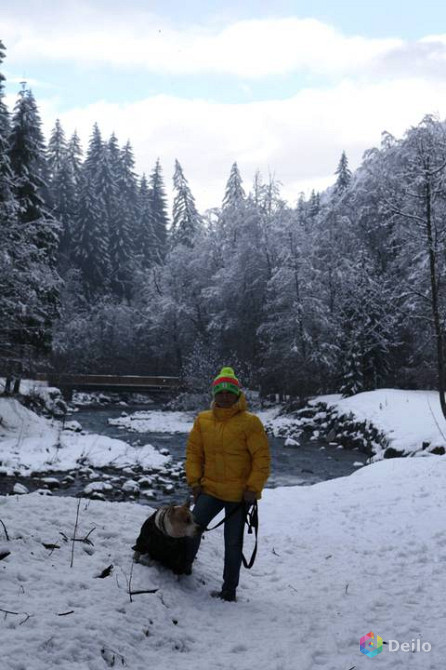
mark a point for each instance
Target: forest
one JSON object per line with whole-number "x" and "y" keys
{"x": 340, "y": 291}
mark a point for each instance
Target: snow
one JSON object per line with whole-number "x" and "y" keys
{"x": 408, "y": 418}
{"x": 336, "y": 560}
{"x": 33, "y": 443}
{"x": 155, "y": 421}
{"x": 147, "y": 421}
{"x": 37, "y": 389}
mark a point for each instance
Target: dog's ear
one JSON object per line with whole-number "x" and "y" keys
{"x": 186, "y": 504}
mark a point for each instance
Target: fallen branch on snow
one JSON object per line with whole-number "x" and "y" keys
{"x": 6, "y": 532}
{"x": 27, "y": 616}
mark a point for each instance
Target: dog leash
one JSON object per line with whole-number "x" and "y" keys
{"x": 228, "y": 516}
{"x": 252, "y": 521}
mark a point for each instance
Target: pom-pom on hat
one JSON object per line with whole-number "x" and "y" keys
{"x": 226, "y": 381}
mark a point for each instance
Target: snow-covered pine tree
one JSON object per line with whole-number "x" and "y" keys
{"x": 9, "y": 278}
{"x": 64, "y": 191}
{"x": 233, "y": 208}
{"x": 75, "y": 155}
{"x": 352, "y": 378}
{"x": 27, "y": 155}
{"x": 146, "y": 242}
{"x": 90, "y": 239}
{"x": 186, "y": 221}
{"x": 158, "y": 201}
{"x": 122, "y": 215}
{"x": 8, "y": 205}
{"x": 314, "y": 205}
{"x": 37, "y": 233}
{"x": 57, "y": 150}
{"x": 344, "y": 174}
{"x": 234, "y": 192}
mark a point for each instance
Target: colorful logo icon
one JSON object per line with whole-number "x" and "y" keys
{"x": 369, "y": 646}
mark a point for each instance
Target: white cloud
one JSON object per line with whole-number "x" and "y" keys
{"x": 299, "y": 140}
{"x": 375, "y": 85}
{"x": 248, "y": 49}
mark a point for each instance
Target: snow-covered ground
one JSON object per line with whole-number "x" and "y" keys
{"x": 336, "y": 561}
{"x": 32, "y": 443}
{"x": 155, "y": 421}
{"x": 37, "y": 389}
{"x": 408, "y": 418}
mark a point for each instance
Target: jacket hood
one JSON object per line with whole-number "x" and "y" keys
{"x": 223, "y": 413}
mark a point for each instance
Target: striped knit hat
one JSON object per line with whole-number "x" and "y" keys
{"x": 226, "y": 381}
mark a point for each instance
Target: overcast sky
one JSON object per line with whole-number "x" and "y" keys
{"x": 280, "y": 86}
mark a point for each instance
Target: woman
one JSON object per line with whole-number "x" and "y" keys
{"x": 227, "y": 463}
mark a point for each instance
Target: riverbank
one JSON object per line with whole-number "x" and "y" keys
{"x": 97, "y": 455}
{"x": 385, "y": 423}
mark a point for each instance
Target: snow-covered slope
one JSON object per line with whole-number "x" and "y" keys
{"x": 336, "y": 560}
{"x": 408, "y": 418}
{"x": 32, "y": 443}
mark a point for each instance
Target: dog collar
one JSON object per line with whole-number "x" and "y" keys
{"x": 159, "y": 520}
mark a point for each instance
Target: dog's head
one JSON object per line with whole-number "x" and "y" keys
{"x": 179, "y": 521}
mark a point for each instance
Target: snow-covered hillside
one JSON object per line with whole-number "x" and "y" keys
{"x": 407, "y": 418}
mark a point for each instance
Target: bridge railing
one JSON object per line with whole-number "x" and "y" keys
{"x": 117, "y": 381}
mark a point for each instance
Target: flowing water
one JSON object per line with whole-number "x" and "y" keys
{"x": 307, "y": 464}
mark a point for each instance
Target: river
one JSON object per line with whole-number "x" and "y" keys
{"x": 310, "y": 463}
{"x": 303, "y": 465}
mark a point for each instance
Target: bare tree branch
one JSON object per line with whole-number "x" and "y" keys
{"x": 6, "y": 532}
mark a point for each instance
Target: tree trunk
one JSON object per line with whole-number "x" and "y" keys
{"x": 434, "y": 299}
{"x": 8, "y": 383}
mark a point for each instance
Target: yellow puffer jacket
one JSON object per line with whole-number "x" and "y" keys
{"x": 228, "y": 453}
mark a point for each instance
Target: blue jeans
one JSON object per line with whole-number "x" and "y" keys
{"x": 206, "y": 508}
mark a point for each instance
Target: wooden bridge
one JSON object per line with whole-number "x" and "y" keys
{"x": 112, "y": 383}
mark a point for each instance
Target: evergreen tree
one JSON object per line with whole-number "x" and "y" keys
{"x": 122, "y": 218}
{"x": 352, "y": 379}
{"x": 129, "y": 182}
{"x": 314, "y": 205}
{"x": 234, "y": 192}
{"x": 235, "y": 202}
{"x": 8, "y": 205}
{"x": 57, "y": 150}
{"x": 9, "y": 277}
{"x": 90, "y": 239}
{"x": 94, "y": 155}
{"x": 186, "y": 222}
{"x": 63, "y": 189}
{"x": 36, "y": 233}
{"x": 344, "y": 174}
{"x": 158, "y": 203}
{"x": 27, "y": 155}
{"x": 146, "y": 242}
{"x": 74, "y": 155}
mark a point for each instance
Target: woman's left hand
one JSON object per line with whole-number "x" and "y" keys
{"x": 249, "y": 498}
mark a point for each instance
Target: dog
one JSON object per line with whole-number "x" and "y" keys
{"x": 163, "y": 537}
